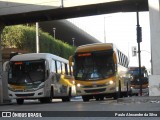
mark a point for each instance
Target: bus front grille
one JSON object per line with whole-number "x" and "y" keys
{"x": 95, "y": 90}
{"x": 93, "y": 86}
{"x": 25, "y": 95}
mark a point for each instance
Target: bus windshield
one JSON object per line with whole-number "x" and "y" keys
{"x": 26, "y": 72}
{"x": 134, "y": 73}
{"x": 94, "y": 66}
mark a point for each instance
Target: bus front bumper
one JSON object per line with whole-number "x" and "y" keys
{"x": 26, "y": 95}
{"x": 137, "y": 91}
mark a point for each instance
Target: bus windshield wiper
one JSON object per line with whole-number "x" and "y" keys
{"x": 85, "y": 74}
{"x": 30, "y": 77}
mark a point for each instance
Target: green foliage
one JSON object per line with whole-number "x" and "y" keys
{"x": 24, "y": 38}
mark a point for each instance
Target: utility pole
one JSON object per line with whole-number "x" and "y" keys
{"x": 62, "y": 4}
{"x": 139, "y": 39}
{"x": 104, "y": 29}
{"x": 37, "y": 38}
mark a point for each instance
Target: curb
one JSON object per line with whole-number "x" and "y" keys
{"x": 140, "y": 99}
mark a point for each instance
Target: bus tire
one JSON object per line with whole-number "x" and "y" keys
{"x": 70, "y": 92}
{"x": 85, "y": 98}
{"x": 119, "y": 90}
{"x": 20, "y": 101}
{"x": 52, "y": 93}
{"x": 101, "y": 98}
{"x": 129, "y": 91}
{"x": 65, "y": 99}
{"x": 42, "y": 100}
{"x": 115, "y": 96}
{"x": 68, "y": 98}
{"x": 97, "y": 98}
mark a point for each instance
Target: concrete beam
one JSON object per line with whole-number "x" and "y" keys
{"x": 72, "y": 12}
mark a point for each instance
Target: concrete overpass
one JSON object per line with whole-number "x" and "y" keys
{"x": 46, "y": 10}
{"x": 17, "y": 12}
{"x": 66, "y": 31}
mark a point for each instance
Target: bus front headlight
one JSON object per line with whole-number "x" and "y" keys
{"x": 78, "y": 85}
{"x": 111, "y": 82}
{"x": 73, "y": 82}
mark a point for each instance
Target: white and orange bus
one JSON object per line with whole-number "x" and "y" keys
{"x": 100, "y": 71}
{"x": 40, "y": 76}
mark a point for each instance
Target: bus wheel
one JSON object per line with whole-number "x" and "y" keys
{"x": 101, "y": 97}
{"x": 119, "y": 90}
{"x": 66, "y": 99}
{"x": 51, "y": 94}
{"x": 42, "y": 100}
{"x": 97, "y": 98}
{"x": 85, "y": 98}
{"x": 115, "y": 96}
{"x": 20, "y": 101}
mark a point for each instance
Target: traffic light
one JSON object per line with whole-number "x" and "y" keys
{"x": 134, "y": 51}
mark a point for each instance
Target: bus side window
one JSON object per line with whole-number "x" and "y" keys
{"x": 53, "y": 66}
{"x": 66, "y": 69}
{"x": 63, "y": 68}
{"x": 70, "y": 70}
{"x": 56, "y": 66}
{"x": 59, "y": 67}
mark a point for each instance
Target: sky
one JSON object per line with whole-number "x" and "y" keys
{"x": 120, "y": 29}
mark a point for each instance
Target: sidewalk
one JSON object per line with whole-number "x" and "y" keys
{"x": 6, "y": 102}
{"x": 140, "y": 99}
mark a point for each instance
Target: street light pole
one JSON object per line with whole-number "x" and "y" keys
{"x": 54, "y": 33}
{"x": 104, "y": 29}
{"x": 139, "y": 39}
{"x": 37, "y": 38}
{"x": 62, "y": 4}
{"x": 73, "y": 40}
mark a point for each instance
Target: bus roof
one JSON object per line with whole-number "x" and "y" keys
{"x": 37, "y": 56}
{"x": 95, "y": 46}
{"x": 135, "y": 68}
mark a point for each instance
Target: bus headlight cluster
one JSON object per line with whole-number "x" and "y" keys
{"x": 10, "y": 88}
{"x": 73, "y": 82}
{"x": 78, "y": 85}
{"x": 111, "y": 82}
{"x": 41, "y": 86}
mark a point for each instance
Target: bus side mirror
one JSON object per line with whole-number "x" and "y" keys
{"x": 114, "y": 57}
{"x": 70, "y": 60}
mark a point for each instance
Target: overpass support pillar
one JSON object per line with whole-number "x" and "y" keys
{"x": 154, "y": 79}
{"x": 1, "y": 66}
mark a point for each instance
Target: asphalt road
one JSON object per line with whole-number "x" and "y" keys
{"x": 92, "y": 110}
